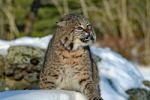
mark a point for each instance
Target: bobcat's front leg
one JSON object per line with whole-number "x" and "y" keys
{"x": 91, "y": 92}
{"x": 88, "y": 86}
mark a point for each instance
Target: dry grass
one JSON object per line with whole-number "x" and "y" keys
{"x": 123, "y": 25}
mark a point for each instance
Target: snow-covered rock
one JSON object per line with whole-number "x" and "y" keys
{"x": 29, "y": 41}
{"x": 117, "y": 75}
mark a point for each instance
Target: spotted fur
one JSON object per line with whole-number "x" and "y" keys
{"x": 68, "y": 63}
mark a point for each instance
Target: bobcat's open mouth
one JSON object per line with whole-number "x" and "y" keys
{"x": 84, "y": 40}
{"x": 87, "y": 39}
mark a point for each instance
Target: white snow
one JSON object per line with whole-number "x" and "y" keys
{"x": 41, "y": 95}
{"x": 117, "y": 75}
{"x": 37, "y": 42}
{"x": 145, "y": 70}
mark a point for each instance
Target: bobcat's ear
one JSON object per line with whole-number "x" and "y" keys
{"x": 62, "y": 23}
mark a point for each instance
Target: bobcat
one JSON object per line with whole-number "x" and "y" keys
{"x": 68, "y": 63}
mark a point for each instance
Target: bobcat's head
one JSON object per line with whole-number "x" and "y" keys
{"x": 80, "y": 32}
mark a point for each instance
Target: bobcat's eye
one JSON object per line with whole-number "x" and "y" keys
{"x": 80, "y": 28}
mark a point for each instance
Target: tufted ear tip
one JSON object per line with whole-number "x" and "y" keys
{"x": 62, "y": 23}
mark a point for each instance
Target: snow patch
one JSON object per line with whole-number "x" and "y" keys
{"x": 41, "y": 95}
{"x": 145, "y": 70}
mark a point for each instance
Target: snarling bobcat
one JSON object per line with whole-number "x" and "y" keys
{"x": 68, "y": 63}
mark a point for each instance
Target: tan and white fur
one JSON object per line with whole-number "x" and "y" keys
{"x": 68, "y": 63}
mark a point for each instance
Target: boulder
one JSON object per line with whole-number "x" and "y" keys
{"x": 2, "y": 66}
{"x": 146, "y": 83}
{"x": 138, "y": 94}
{"x": 22, "y": 66}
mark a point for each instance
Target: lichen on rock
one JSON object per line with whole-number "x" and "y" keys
{"x": 22, "y": 66}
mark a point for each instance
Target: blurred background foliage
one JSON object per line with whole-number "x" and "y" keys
{"x": 123, "y": 25}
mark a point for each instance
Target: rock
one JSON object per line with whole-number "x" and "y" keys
{"x": 146, "y": 83}
{"x": 14, "y": 85}
{"x": 2, "y": 70}
{"x": 2, "y": 66}
{"x": 32, "y": 77}
{"x": 23, "y": 65}
{"x": 96, "y": 58}
{"x": 138, "y": 94}
{"x": 20, "y": 56}
{"x": 2, "y": 84}
{"x": 17, "y": 75}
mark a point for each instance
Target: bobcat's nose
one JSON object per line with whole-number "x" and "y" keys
{"x": 87, "y": 36}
